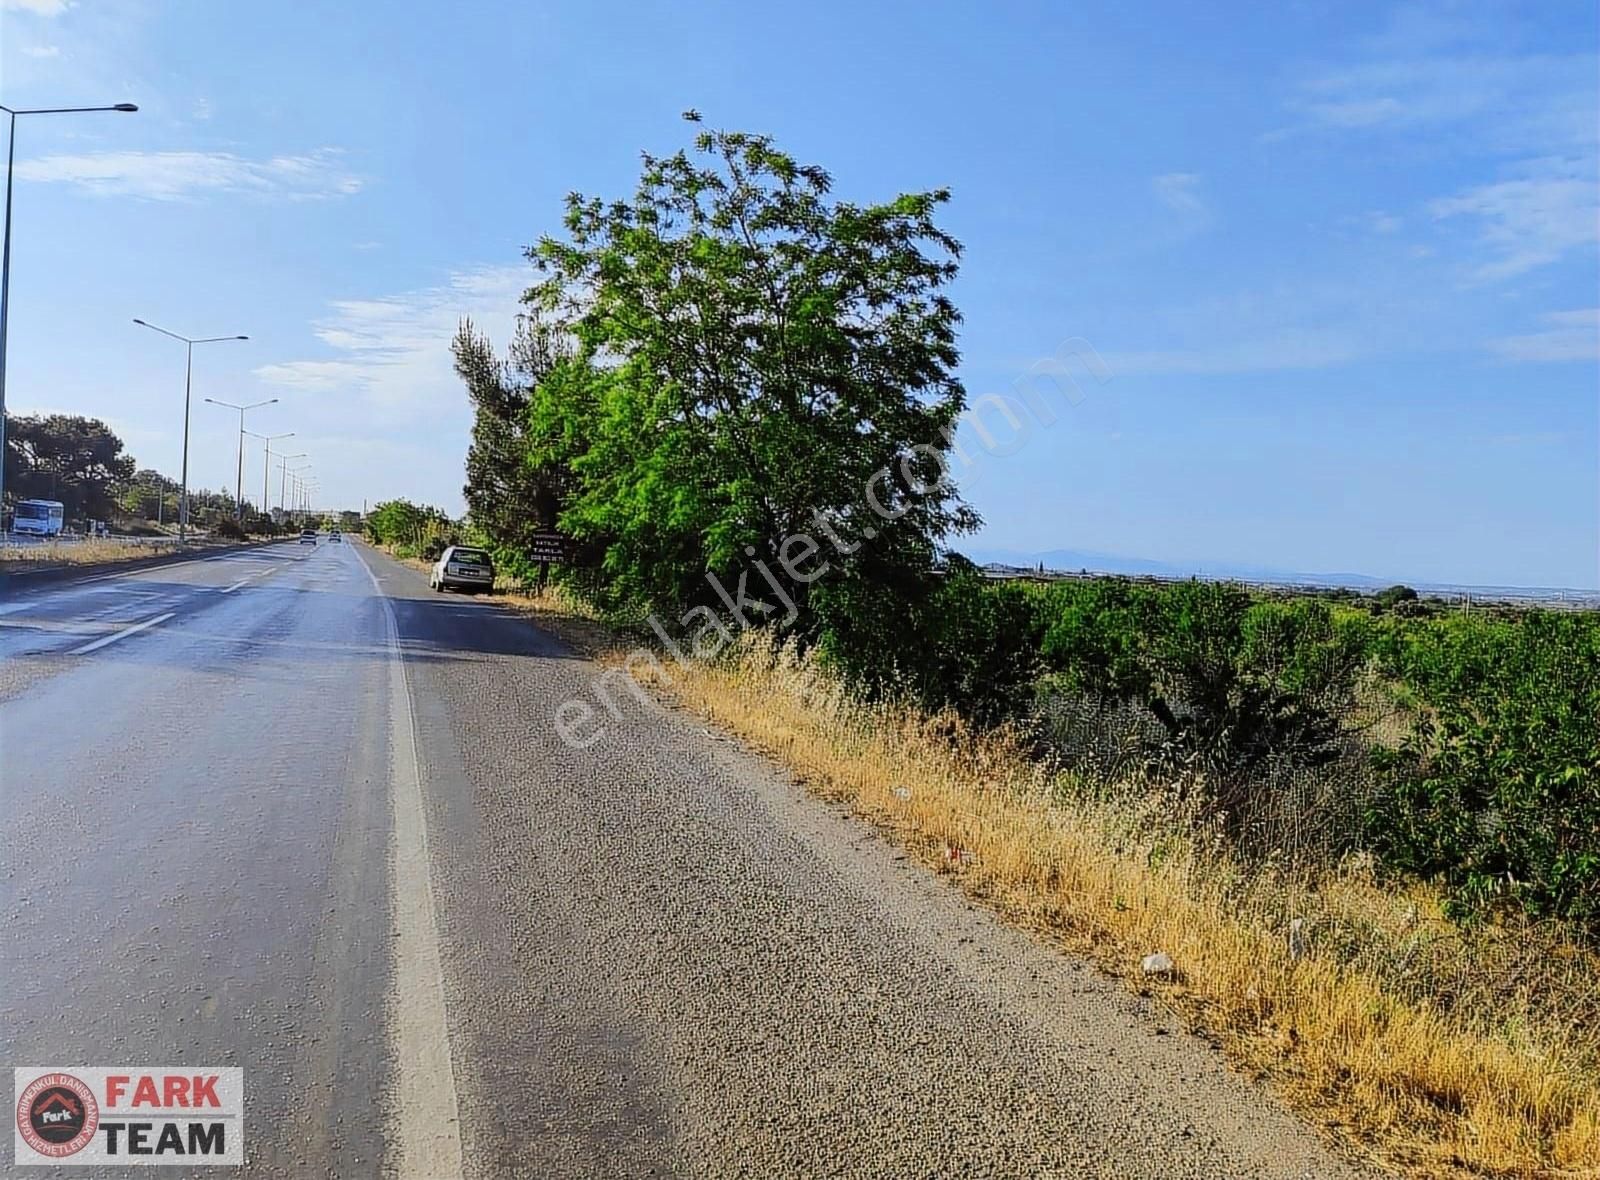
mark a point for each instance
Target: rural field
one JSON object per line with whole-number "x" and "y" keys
{"x": 835, "y": 590}
{"x": 1352, "y": 837}
{"x": 1368, "y": 867}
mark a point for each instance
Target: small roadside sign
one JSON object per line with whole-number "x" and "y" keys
{"x": 545, "y": 547}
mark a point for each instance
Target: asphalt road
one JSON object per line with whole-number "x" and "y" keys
{"x": 286, "y": 809}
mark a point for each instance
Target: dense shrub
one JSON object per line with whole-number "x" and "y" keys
{"x": 1497, "y": 791}
{"x": 418, "y": 530}
{"x": 979, "y": 647}
{"x": 1231, "y": 680}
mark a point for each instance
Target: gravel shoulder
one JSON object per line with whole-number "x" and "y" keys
{"x": 663, "y": 957}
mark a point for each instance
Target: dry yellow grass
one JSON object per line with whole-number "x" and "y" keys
{"x": 90, "y": 551}
{"x": 1434, "y": 1051}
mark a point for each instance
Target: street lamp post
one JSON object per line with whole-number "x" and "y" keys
{"x": 266, "y": 464}
{"x": 283, "y": 479}
{"x": 188, "y": 375}
{"x": 238, "y": 512}
{"x": 5, "y": 252}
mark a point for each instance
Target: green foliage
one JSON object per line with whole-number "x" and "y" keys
{"x": 229, "y": 530}
{"x": 732, "y": 359}
{"x": 508, "y": 497}
{"x": 750, "y": 353}
{"x": 1393, "y": 595}
{"x": 1093, "y": 639}
{"x": 982, "y": 643}
{"x": 149, "y": 495}
{"x": 1497, "y": 792}
{"x": 411, "y": 529}
{"x": 78, "y": 461}
{"x": 960, "y": 641}
{"x": 1231, "y": 680}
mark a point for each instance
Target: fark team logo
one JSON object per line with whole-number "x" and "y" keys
{"x": 142, "y": 1117}
{"x": 57, "y": 1115}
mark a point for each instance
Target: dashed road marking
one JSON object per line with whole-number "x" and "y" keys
{"x": 122, "y": 634}
{"x": 240, "y": 582}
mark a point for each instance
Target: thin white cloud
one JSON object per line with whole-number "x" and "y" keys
{"x": 1364, "y": 112}
{"x": 393, "y": 351}
{"x": 37, "y": 7}
{"x": 1570, "y": 336}
{"x": 1530, "y": 220}
{"x": 1285, "y": 351}
{"x": 1529, "y": 118}
{"x": 173, "y": 176}
{"x": 1507, "y": 103}
{"x": 41, "y": 51}
{"x": 1180, "y": 191}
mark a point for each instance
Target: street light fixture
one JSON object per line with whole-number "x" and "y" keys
{"x": 5, "y": 265}
{"x": 299, "y": 484}
{"x": 266, "y": 463}
{"x": 238, "y": 513}
{"x": 283, "y": 479}
{"x": 188, "y": 375}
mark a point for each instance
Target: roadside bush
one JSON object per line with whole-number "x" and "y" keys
{"x": 1239, "y": 702}
{"x": 433, "y": 547}
{"x": 1497, "y": 791}
{"x": 229, "y": 530}
{"x": 980, "y": 647}
{"x": 1230, "y": 680}
{"x": 419, "y": 531}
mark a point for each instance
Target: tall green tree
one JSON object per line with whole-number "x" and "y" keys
{"x": 509, "y": 496}
{"x": 149, "y": 494}
{"x": 753, "y": 356}
{"x": 78, "y": 461}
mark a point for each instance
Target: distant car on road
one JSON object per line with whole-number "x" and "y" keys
{"x": 308, "y": 537}
{"x": 334, "y": 536}
{"x": 462, "y": 568}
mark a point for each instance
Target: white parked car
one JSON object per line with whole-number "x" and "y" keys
{"x": 463, "y": 568}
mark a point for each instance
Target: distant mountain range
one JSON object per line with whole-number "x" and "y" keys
{"x": 1075, "y": 560}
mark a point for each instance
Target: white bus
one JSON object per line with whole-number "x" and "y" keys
{"x": 42, "y": 518}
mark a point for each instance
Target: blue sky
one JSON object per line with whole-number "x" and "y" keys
{"x": 1340, "y": 259}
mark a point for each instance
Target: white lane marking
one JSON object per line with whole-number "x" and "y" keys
{"x": 425, "y": 1128}
{"x": 241, "y": 582}
{"x": 122, "y": 634}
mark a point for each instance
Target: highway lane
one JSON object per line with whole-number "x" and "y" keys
{"x": 316, "y": 822}
{"x": 63, "y": 616}
{"x": 193, "y": 864}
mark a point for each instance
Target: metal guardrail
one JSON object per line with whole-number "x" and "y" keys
{"x": 25, "y": 540}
